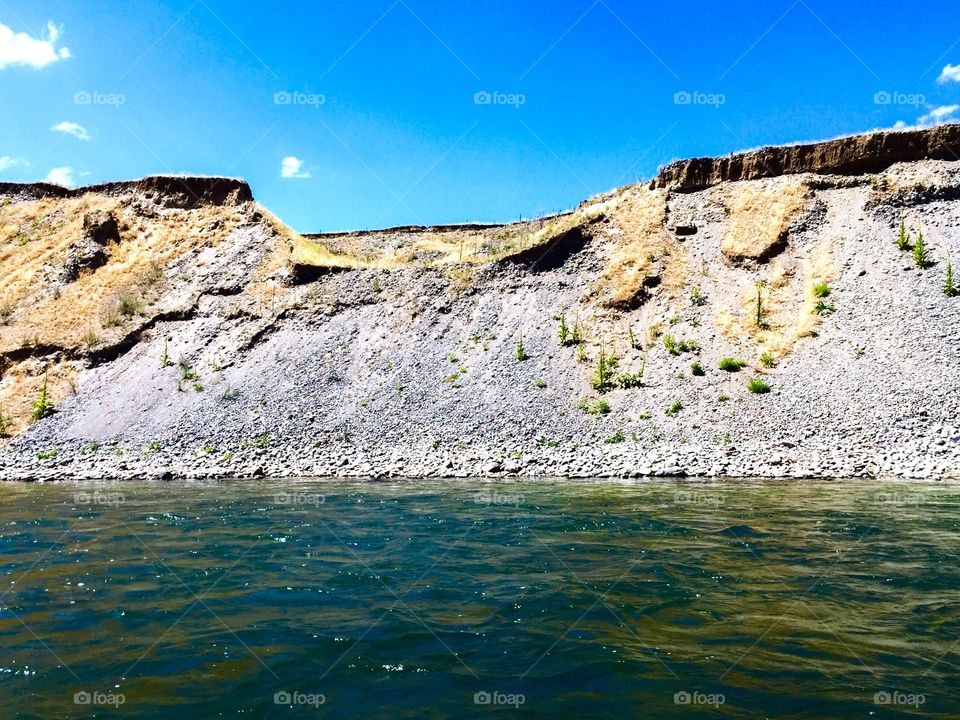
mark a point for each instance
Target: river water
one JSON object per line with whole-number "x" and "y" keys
{"x": 460, "y": 599}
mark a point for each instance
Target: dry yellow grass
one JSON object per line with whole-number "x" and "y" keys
{"x": 65, "y": 317}
{"x": 789, "y": 304}
{"x": 645, "y": 249}
{"x": 21, "y": 384}
{"x": 35, "y": 240}
{"x": 760, "y": 213}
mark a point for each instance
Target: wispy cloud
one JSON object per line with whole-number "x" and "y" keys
{"x": 292, "y": 167}
{"x": 61, "y": 176}
{"x": 21, "y": 49}
{"x": 72, "y": 128}
{"x": 937, "y": 115}
{"x": 951, "y": 73}
{"x": 7, "y": 162}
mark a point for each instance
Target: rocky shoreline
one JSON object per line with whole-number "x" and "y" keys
{"x": 767, "y": 327}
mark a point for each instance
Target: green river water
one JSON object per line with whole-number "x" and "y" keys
{"x": 461, "y": 599}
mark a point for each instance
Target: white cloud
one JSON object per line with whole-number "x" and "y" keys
{"x": 291, "y": 168}
{"x": 21, "y": 49}
{"x": 938, "y": 115}
{"x": 72, "y": 128}
{"x": 61, "y": 176}
{"x": 950, "y": 72}
{"x": 7, "y": 162}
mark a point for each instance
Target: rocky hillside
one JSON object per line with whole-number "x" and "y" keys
{"x": 748, "y": 315}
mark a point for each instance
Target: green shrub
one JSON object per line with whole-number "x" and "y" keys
{"x": 824, "y": 308}
{"x": 697, "y": 297}
{"x": 697, "y": 369}
{"x": 678, "y": 347}
{"x": 603, "y": 376}
{"x": 949, "y": 289}
{"x": 628, "y": 381}
{"x": 540, "y": 382}
{"x": 617, "y": 437}
{"x": 767, "y": 360}
{"x": 563, "y": 332}
{"x": 731, "y": 364}
{"x": 674, "y": 408}
{"x": 821, "y": 290}
{"x": 46, "y": 454}
{"x": 920, "y": 255}
{"x": 42, "y": 407}
{"x": 521, "y": 351}
{"x": 758, "y": 386}
{"x": 903, "y": 239}
{"x": 152, "y": 447}
{"x": 600, "y": 407}
{"x": 723, "y": 397}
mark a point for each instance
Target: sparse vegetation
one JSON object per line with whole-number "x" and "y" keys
{"x": 128, "y": 305}
{"x": 540, "y": 382}
{"x": 697, "y": 297}
{"x": 903, "y": 239}
{"x": 165, "y": 356}
{"x": 603, "y": 376}
{"x": 46, "y": 454}
{"x": 6, "y": 310}
{"x": 617, "y": 437}
{"x": 678, "y": 347}
{"x": 628, "y": 381}
{"x": 920, "y": 255}
{"x": 824, "y": 308}
{"x": 760, "y": 312}
{"x": 600, "y": 407}
{"x": 949, "y": 288}
{"x": 758, "y": 386}
{"x": 152, "y": 447}
{"x": 521, "y": 351}
{"x": 723, "y": 397}
{"x": 154, "y": 273}
{"x": 731, "y": 364}
{"x": 821, "y": 290}
{"x": 563, "y": 332}
{"x": 42, "y": 407}
{"x": 674, "y": 408}
{"x": 697, "y": 369}
{"x": 767, "y": 360}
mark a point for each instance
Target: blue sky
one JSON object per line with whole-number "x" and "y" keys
{"x": 386, "y": 112}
